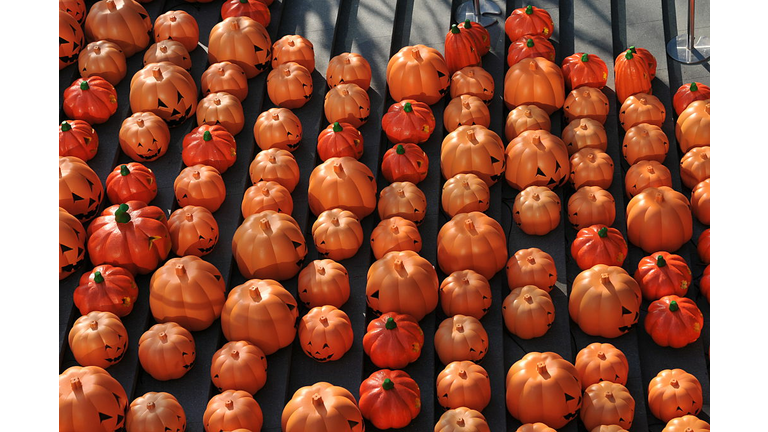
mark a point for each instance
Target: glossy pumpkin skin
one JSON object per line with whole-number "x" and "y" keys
{"x": 325, "y": 333}
{"x": 75, "y": 8}
{"x": 694, "y": 166}
{"x": 349, "y": 68}
{"x": 410, "y": 286}
{"x": 591, "y": 205}
{"x": 599, "y": 244}
{"x": 231, "y": 40}
{"x": 472, "y": 241}
{"x": 687, "y": 93}
{"x": 177, "y": 25}
{"x": 704, "y": 283}
{"x": 645, "y": 142}
{"x": 460, "y": 49}
{"x": 461, "y": 337}
{"x": 536, "y": 210}
{"x": 702, "y": 246}
{"x": 347, "y": 103}
{"x": 144, "y": 137}
{"x": 673, "y": 393}
{"x": 586, "y": 102}
{"x": 390, "y": 399}
{"x": 80, "y": 189}
{"x": 646, "y": 174}
{"x": 102, "y": 58}
{"x": 337, "y": 234}
{"x": 479, "y": 34}
{"x": 275, "y": 164}
{"x": 403, "y": 199}
{"x": 239, "y": 365}
{"x": 674, "y": 321}
{"x": 155, "y": 410}
{"x": 473, "y": 80}
{"x": 632, "y": 75}
{"x": 524, "y": 118}
{"x": 584, "y": 70}
{"x": 322, "y": 406}
{"x": 395, "y": 234}
{"x": 554, "y": 378}
{"x": 225, "y": 77}
{"x": 170, "y": 51}
{"x": 167, "y": 351}
{"x": 293, "y": 48}
{"x": 91, "y": 99}
{"x": 156, "y": 88}
{"x": 194, "y": 231}
{"x": 528, "y": 20}
{"x": 405, "y": 162}
{"x": 641, "y": 108}
{"x": 200, "y": 185}
{"x": 661, "y": 273}
{"x": 528, "y": 312}
{"x": 584, "y": 133}
{"x": 86, "y": 395}
{"x": 342, "y": 177}
{"x": 534, "y": 81}
{"x": 605, "y": 301}
{"x": 591, "y": 167}
{"x": 254, "y": 9}
{"x": 232, "y": 409}
{"x": 221, "y": 108}
{"x": 463, "y": 384}
{"x": 71, "y": 244}
{"x": 266, "y": 195}
{"x": 277, "y": 128}
{"x": 464, "y": 193}
{"x": 77, "y": 138}
{"x": 393, "y": 340}
{"x": 131, "y": 182}
{"x": 465, "y": 292}
{"x": 644, "y": 55}
{"x": 601, "y": 362}
{"x": 123, "y": 22}
{"x": 530, "y": 46}
{"x": 462, "y": 419}
{"x": 465, "y": 110}
{"x": 211, "y": 145}
{"x": 700, "y": 201}
{"x": 659, "y": 219}
{"x": 289, "y": 85}
{"x": 535, "y": 427}
{"x": 607, "y": 402}
{"x": 106, "y": 288}
{"x": 536, "y": 158}
{"x": 609, "y": 428}
{"x": 339, "y": 140}
{"x": 98, "y": 339}
{"x": 686, "y": 423}
{"x": 531, "y": 266}
{"x": 430, "y": 81}
{"x": 269, "y": 245}
{"x": 473, "y": 149}
{"x": 323, "y": 282}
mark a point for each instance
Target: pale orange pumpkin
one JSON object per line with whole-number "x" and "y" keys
{"x": 402, "y": 282}
{"x": 347, "y": 103}
{"x": 325, "y": 333}
{"x": 98, "y": 339}
{"x": 350, "y": 68}
{"x": 418, "y": 72}
{"x": 225, "y": 77}
{"x": 605, "y": 301}
{"x": 179, "y": 26}
{"x": 535, "y": 81}
{"x": 170, "y": 51}
{"x": 531, "y": 266}
{"x": 607, "y": 402}
{"x": 461, "y": 337}
{"x": 601, "y": 362}
{"x": 473, "y": 149}
{"x": 403, "y": 199}
{"x": 528, "y": 312}
{"x": 463, "y": 384}
{"x": 342, "y": 183}
{"x": 275, "y": 164}
{"x": 223, "y": 109}
{"x": 659, "y": 219}
{"x": 584, "y": 133}
{"x": 289, "y": 85}
{"x": 167, "y": 351}
{"x": 395, "y": 234}
{"x": 694, "y": 166}
{"x": 144, "y": 137}
{"x": 242, "y": 41}
{"x": 465, "y": 292}
{"x": 337, "y": 234}
{"x": 164, "y": 89}
{"x": 536, "y": 158}
{"x": 700, "y": 201}
{"x": 323, "y": 282}
{"x": 586, "y": 102}
{"x": 464, "y": 193}
{"x": 155, "y": 410}
{"x": 269, "y": 245}
{"x": 642, "y": 108}
{"x": 462, "y": 419}
{"x": 194, "y": 231}
{"x": 200, "y": 185}
{"x": 524, "y": 118}
{"x": 277, "y": 128}
{"x": 692, "y": 127}
{"x": 124, "y": 22}
{"x": 231, "y": 410}
{"x": 472, "y": 80}
{"x": 645, "y": 142}
{"x": 591, "y": 167}
{"x": 591, "y": 205}
{"x": 645, "y": 174}
{"x": 472, "y": 241}
{"x": 102, "y": 58}
{"x": 465, "y": 110}
{"x": 266, "y": 195}
{"x": 536, "y": 210}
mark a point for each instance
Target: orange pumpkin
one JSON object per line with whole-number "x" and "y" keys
{"x": 686, "y": 423}
{"x": 418, "y": 72}
{"x": 167, "y": 351}
{"x": 700, "y": 201}
{"x": 661, "y": 274}
{"x": 177, "y": 25}
{"x": 702, "y": 246}
{"x": 123, "y": 22}
{"x": 466, "y": 110}
{"x": 531, "y": 266}
{"x": 688, "y": 93}
{"x": 646, "y": 174}
{"x": 275, "y": 164}
{"x": 473, "y": 80}
{"x": 599, "y": 244}
{"x": 211, "y": 145}
{"x": 530, "y": 46}
{"x": 591, "y": 167}
{"x": 200, "y": 185}
{"x": 342, "y": 183}
{"x": 462, "y": 419}
{"x": 395, "y": 234}
{"x": 102, "y": 58}
{"x": 242, "y": 41}
{"x": 461, "y": 337}
{"x": 536, "y": 210}
{"x": 692, "y": 127}
{"x": 155, "y": 410}
{"x": 609, "y": 428}
{"x": 351, "y": 68}
{"x": 584, "y": 133}
{"x": 75, "y": 8}
{"x": 289, "y": 85}
{"x": 403, "y": 199}
{"x": 277, "y": 128}
{"x": 694, "y": 166}
{"x": 232, "y": 409}
{"x": 261, "y": 312}
{"x": 221, "y": 109}
{"x": 464, "y": 193}
{"x": 524, "y": 118}
{"x": 632, "y": 75}
{"x": 144, "y": 137}
{"x": 225, "y": 77}
{"x": 293, "y": 48}
{"x": 586, "y": 102}
{"x": 529, "y": 20}
{"x": 534, "y": 81}
{"x": 323, "y": 282}
{"x": 645, "y": 142}
{"x": 80, "y": 189}
{"x": 90, "y": 400}
{"x": 536, "y": 158}
{"x": 339, "y": 140}
{"x": 325, "y": 406}
{"x": 601, "y": 362}
{"x": 337, "y": 234}
{"x": 460, "y": 49}
{"x": 77, "y": 138}
{"x": 98, "y": 339}
{"x": 463, "y": 384}
{"x": 673, "y": 393}
{"x": 405, "y": 162}
{"x": 269, "y": 245}
{"x": 325, "y": 333}
{"x": 347, "y": 103}
{"x": 607, "y": 402}
{"x": 266, "y": 195}
{"x": 92, "y": 99}
{"x": 472, "y": 241}
{"x": 583, "y": 69}
{"x": 659, "y": 219}
{"x": 465, "y": 292}
{"x": 408, "y": 121}
{"x": 194, "y": 231}
{"x": 473, "y": 149}
{"x": 641, "y": 108}
{"x": 604, "y": 301}
{"x": 166, "y": 90}
{"x": 239, "y": 365}
{"x": 170, "y": 51}
{"x": 131, "y": 182}
{"x": 535, "y": 427}
{"x": 591, "y": 205}
{"x": 402, "y": 282}
{"x": 71, "y": 244}
{"x": 528, "y": 312}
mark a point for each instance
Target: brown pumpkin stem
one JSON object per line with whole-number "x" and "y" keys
{"x": 188, "y": 217}
{"x": 265, "y": 191}
{"x": 401, "y": 193}
{"x": 650, "y": 169}
{"x": 609, "y": 395}
{"x": 528, "y": 299}
{"x": 466, "y": 105}
{"x": 150, "y": 406}
{"x": 235, "y": 25}
{"x": 602, "y": 232}
{"x": 172, "y": 18}
{"x": 229, "y": 404}
{"x": 140, "y": 123}
{"x": 338, "y": 169}
{"x": 541, "y": 368}
{"x": 320, "y": 270}
{"x": 586, "y": 94}
{"x": 605, "y": 278}
{"x": 323, "y": 320}
{"x": 643, "y": 101}
{"x": 416, "y": 54}
{"x": 65, "y": 127}
{"x": 583, "y": 125}
{"x": 460, "y": 422}
{"x": 536, "y": 140}
{"x": 163, "y": 337}
{"x": 124, "y": 171}
{"x": 673, "y": 307}
{"x": 469, "y": 225}
{"x": 529, "y": 44}
{"x": 344, "y": 92}
{"x": 585, "y": 57}
{"x": 459, "y": 327}
{"x": 532, "y": 65}
{"x": 465, "y": 183}
{"x": 255, "y": 293}
{"x": 462, "y": 374}
{"x": 387, "y": 384}
{"x": 163, "y": 48}
{"x": 591, "y": 157}
{"x": 335, "y": 221}
{"x": 601, "y": 355}
{"x": 535, "y": 196}
{"x": 337, "y": 127}
{"x": 94, "y": 325}
{"x": 347, "y": 60}
{"x": 217, "y": 102}
{"x": 706, "y": 108}
{"x": 704, "y": 156}
{"x": 660, "y": 262}
{"x": 96, "y": 49}
{"x": 399, "y": 265}
{"x": 528, "y": 113}
{"x": 207, "y": 136}
{"x": 394, "y": 228}
{"x": 390, "y": 324}
{"x": 196, "y": 175}
{"x": 673, "y": 382}
{"x": 76, "y": 384}
{"x": 471, "y": 136}
{"x": 531, "y": 260}
{"x": 592, "y": 197}
{"x": 180, "y": 270}
{"x": 235, "y": 354}
{"x": 317, "y": 400}
{"x": 97, "y": 277}
{"x": 157, "y": 74}
{"x": 264, "y": 224}
{"x": 111, "y": 6}
{"x": 287, "y": 73}
{"x": 84, "y": 85}
{"x": 291, "y": 43}
{"x": 455, "y": 29}
{"x": 121, "y": 214}
{"x": 400, "y": 149}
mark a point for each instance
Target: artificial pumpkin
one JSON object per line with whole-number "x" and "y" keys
{"x": 393, "y": 340}
{"x": 405, "y": 162}
{"x": 534, "y": 81}
{"x": 232, "y": 409}
{"x": 530, "y": 46}
{"x": 164, "y": 89}
{"x": 473, "y": 149}
{"x": 474, "y": 81}
{"x": 170, "y": 51}
{"x": 529, "y": 20}
{"x": 646, "y": 174}
{"x": 609, "y": 428}
{"x": 604, "y": 301}
{"x": 289, "y": 85}
{"x": 641, "y": 108}
{"x": 524, "y": 118}
{"x": 464, "y": 193}
{"x": 536, "y": 158}
{"x": 479, "y": 34}
{"x": 221, "y": 109}
{"x": 131, "y": 182}
{"x": 403, "y": 199}
{"x": 536, "y": 210}
{"x": 418, "y": 72}
{"x": 584, "y": 70}
{"x": 322, "y": 406}
{"x": 528, "y": 312}
{"x": 102, "y": 58}
{"x": 645, "y": 55}
{"x": 293, "y": 48}
{"x": 462, "y": 419}
{"x": 591, "y": 167}
{"x": 77, "y": 138}
{"x": 584, "y": 133}
{"x": 269, "y": 245}
{"x": 704, "y": 283}
{"x": 390, "y": 399}
{"x": 674, "y": 321}
{"x": 673, "y": 393}
{"x": 408, "y": 121}
{"x": 200, "y": 185}
{"x": 242, "y": 41}
{"x": 209, "y": 144}
{"x": 124, "y": 22}
{"x": 645, "y": 142}
{"x": 339, "y": 140}
{"x": 694, "y": 166}
{"x": 535, "y": 427}
{"x": 700, "y": 201}
{"x": 460, "y": 49}
{"x": 556, "y": 381}
{"x": 91, "y": 99}
{"x": 659, "y": 219}
{"x": 154, "y": 410}
{"x": 661, "y": 274}
{"x": 277, "y": 128}
{"x": 71, "y": 244}
{"x": 80, "y": 189}
{"x": 599, "y": 244}
{"x": 601, "y": 362}
{"x": 239, "y": 365}
{"x": 466, "y": 110}
{"x": 472, "y": 241}
{"x": 632, "y": 75}
{"x": 337, "y": 234}
{"x": 90, "y": 400}
{"x": 225, "y": 77}
{"x": 531, "y": 266}
{"x": 465, "y": 292}
{"x": 275, "y": 164}
{"x": 255, "y": 9}
{"x": 347, "y": 103}
{"x": 395, "y": 234}
{"x": 350, "y": 68}
{"x": 106, "y": 288}
{"x": 144, "y": 137}
{"x": 75, "y": 8}
{"x": 325, "y": 333}
{"x": 605, "y": 403}
{"x": 167, "y": 351}
{"x": 342, "y": 183}
{"x": 266, "y": 195}
{"x": 586, "y": 102}
{"x": 194, "y": 231}
{"x": 461, "y": 337}
{"x": 98, "y": 339}
{"x": 686, "y": 423}
{"x": 591, "y": 205}
{"x": 688, "y": 93}
{"x": 179, "y": 26}
{"x": 463, "y": 384}
{"x": 323, "y": 282}
{"x": 702, "y": 246}
{"x": 410, "y": 286}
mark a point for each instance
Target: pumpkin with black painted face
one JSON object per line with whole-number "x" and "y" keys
{"x": 154, "y": 410}
{"x": 98, "y": 339}
{"x": 194, "y": 231}
{"x": 605, "y": 301}
{"x": 275, "y": 164}
{"x": 166, "y": 90}
{"x": 200, "y": 185}
{"x": 528, "y": 312}
{"x": 71, "y": 39}
{"x": 124, "y": 22}
{"x": 90, "y": 400}
{"x": 347, "y": 103}
{"x": 473, "y": 149}
{"x": 323, "y": 282}
{"x": 167, "y": 351}
{"x": 221, "y": 108}
{"x": 71, "y": 244}
{"x": 463, "y": 384}
{"x": 473, "y": 241}
{"x": 144, "y": 137}
{"x": 80, "y": 189}
{"x": 673, "y": 393}
{"x": 326, "y": 406}
{"x": 242, "y": 41}
{"x": 225, "y": 77}
{"x": 289, "y": 85}
{"x": 269, "y": 245}
{"x": 349, "y": 68}
{"x": 325, "y": 333}
{"x": 536, "y": 158}
{"x": 402, "y": 282}
{"x": 75, "y": 8}
{"x": 293, "y": 48}
{"x": 337, "y": 234}
{"x": 177, "y": 25}
{"x": 423, "y": 62}
{"x": 461, "y": 337}
{"x": 266, "y": 195}
{"x": 395, "y": 234}
{"x": 277, "y": 128}
{"x": 102, "y": 58}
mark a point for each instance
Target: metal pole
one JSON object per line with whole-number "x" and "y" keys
{"x": 687, "y": 48}
{"x": 691, "y": 22}
{"x": 477, "y": 7}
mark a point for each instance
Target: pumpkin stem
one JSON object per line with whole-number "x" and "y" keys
{"x": 466, "y": 104}
{"x": 585, "y": 57}
{"x": 459, "y": 327}
{"x": 471, "y": 136}
{"x": 535, "y": 196}
{"x": 265, "y": 191}
{"x": 531, "y": 260}
{"x": 180, "y": 270}
{"x": 338, "y": 169}
{"x": 609, "y": 395}
{"x": 659, "y": 197}
{"x": 287, "y": 72}
{"x": 528, "y": 299}
{"x": 94, "y": 325}
{"x": 337, "y": 127}
{"x": 157, "y": 74}
{"x": 84, "y": 85}
{"x": 217, "y": 102}
{"x": 455, "y": 29}
{"x": 591, "y": 157}
{"x": 541, "y": 368}
{"x": 465, "y": 183}
{"x": 255, "y": 293}
{"x": 529, "y": 44}
{"x": 163, "y": 48}
{"x": 469, "y": 225}
{"x": 124, "y": 171}
{"x": 264, "y": 224}
{"x": 532, "y": 65}
{"x": 207, "y": 136}
{"x": 462, "y": 374}
{"x": 602, "y": 232}
{"x": 605, "y": 278}
{"x": 347, "y": 60}
{"x": 536, "y": 140}
{"x": 401, "y": 193}
{"x": 196, "y": 175}
{"x": 140, "y": 123}
{"x": 188, "y": 217}
{"x": 388, "y": 384}
{"x": 324, "y": 320}
{"x": 660, "y": 262}
{"x": 163, "y": 337}
{"x": 76, "y": 384}
{"x": 150, "y": 406}
{"x": 583, "y": 125}
{"x": 628, "y": 55}
{"x": 467, "y": 24}
{"x": 586, "y": 94}
{"x": 650, "y": 169}
{"x": 111, "y": 5}
{"x": 229, "y": 404}
{"x": 390, "y": 324}
{"x": 172, "y": 18}
{"x": 529, "y": 10}
{"x": 320, "y": 270}
{"x": 121, "y": 214}
{"x": 335, "y": 221}
{"x": 693, "y": 87}
{"x": 416, "y": 54}
{"x": 592, "y": 197}
{"x": 706, "y": 108}
{"x": 673, "y": 307}
{"x": 528, "y": 113}
{"x": 673, "y": 382}
{"x": 601, "y": 355}
{"x": 97, "y": 277}
{"x": 65, "y": 127}
{"x": 291, "y": 43}
{"x": 399, "y": 266}
{"x": 96, "y": 49}
{"x": 400, "y": 149}
{"x": 408, "y": 107}
{"x": 317, "y": 400}
{"x": 460, "y": 422}
{"x": 704, "y": 156}
{"x": 394, "y": 228}
{"x": 235, "y": 25}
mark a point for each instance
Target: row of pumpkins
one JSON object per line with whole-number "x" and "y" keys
{"x": 269, "y": 245}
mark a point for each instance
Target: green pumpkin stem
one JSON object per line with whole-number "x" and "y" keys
{"x": 693, "y": 88}
{"x": 207, "y": 136}
{"x": 632, "y": 49}
{"x": 585, "y": 57}
{"x": 84, "y": 85}
{"x": 65, "y": 127}
{"x": 388, "y": 384}
{"x": 660, "y": 262}
{"x": 121, "y": 214}
{"x": 467, "y": 24}
{"x": 124, "y": 171}
{"x": 391, "y": 324}
{"x": 529, "y": 44}
{"x": 455, "y": 29}
{"x": 529, "y": 10}
{"x": 673, "y": 307}
{"x": 400, "y": 149}
{"x": 602, "y": 232}
{"x": 337, "y": 127}
{"x": 97, "y": 277}
{"x": 629, "y": 55}
{"x": 407, "y": 107}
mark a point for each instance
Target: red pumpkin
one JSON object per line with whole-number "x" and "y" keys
{"x": 472, "y": 241}
{"x": 166, "y": 90}
{"x": 528, "y": 312}
{"x": 177, "y": 25}
{"x": 269, "y": 245}
{"x": 155, "y": 410}
{"x": 646, "y": 56}
{"x": 599, "y": 244}
{"x": 239, "y": 365}
{"x": 325, "y": 407}
{"x": 418, "y": 72}
{"x": 71, "y": 244}
{"x": 604, "y": 301}
{"x": 534, "y": 81}
{"x": 167, "y": 351}
{"x": 390, "y": 399}
{"x": 325, "y": 333}
{"x": 347, "y": 103}
{"x": 200, "y": 185}
{"x": 529, "y": 20}
{"x": 339, "y": 140}
{"x": 255, "y": 9}
{"x": 688, "y": 93}
{"x": 463, "y": 384}
{"x": 661, "y": 274}
{"x": 123, "y": 22}
{"x": 479, "y": 34}
{"x": 131, "y": 182}
{"x": 232, "y": 409}
{"x": 461, "y": 337}
{"x": 92, "y": 99}
{"x": 674, "y": 393}
{"x": 323, "y": 282}
{"x": 80, "y": 189}
{"x": 531, "y": 267}
{"x": 194, "y": 231}
{"x": 659, "y": 219}
{"x": 395, "y": 234}
{"x": 405, "y": 162}
{"x": 266, "y": 195}
{"x": 277, "y": 128}
{"x": 601, "y": 362}
{"x": 702, "y": 245}
{"x": 674, "y": 321}
{"x": 77, "y": 138}
{"x": 144, "y": 137}
{"x": 211, "y": 145}
{"x": 402, "y": 282}
{"x": 403, "y": 199}
{"x": 393, "y": 340}
{"x": 349, "y": 68}
{"x": 465, "y": 292}
{"x": 530, "y": 46}
{"x": 98, "y": 339}
{"x": 243, "y": 41}
{"x": 632, "y": 75}
{"x": 106, "y": 288}
{"x": 583, "y": 69}
{"x": 90, "y": 400}
{"x": 460, "y": 49}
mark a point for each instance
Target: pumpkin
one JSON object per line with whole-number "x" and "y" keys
{"x": 479, "y": 34}
{"x": 166, "y": 90}
{"x": 278, "y": 128}
{"x": 261, "y": 312}
{"x": 462, "y": 419}
{"x": 604, "y": 301}
{"x": 524, "y": 118}
{"x": 609, "y": 428}
{"x": 402, "y": 282}
{"x": 535, "y": 427}
{"x": 460, "y": 49}
{"x": 474, "y": 81}
{"x": 702, "y": 246}
{"x": 188, "y": 291}
{"x": 231, "y": 40}
{"x": 337, "y": 234}
{"x": 599, "y": 244}
{"x": 556, "y": 381}
{"x": 194, "y": 231}
{"x": 645, "y": 142}
{"x": 170, "y": 51}
{"x": 700, "y": 201}
{"x": 465, "y": 292}
{"x": 221, "y": 109}
{"x": 393, "y": 340}
{"x": 534, "y": 81}
{"x": 154, "y": 410}
{"x": 395, "y": 234}
{"x": 463, "y": 384}
{"x": 351, "y": 68}
{"x": 102, "y": 58}
{"x": 646, "y": 56}
{"x": 586, "y": 102}
{"x": 339, "y": 140}
{"x": 472, "y": 241}
{"x": 342, "y": 183}
{"x": 646, "y": 174}
{"x": 347, "y": 103}
{"x": 584, "y": 133}
{"x": 323, "y": 282}
{"x": 275, "y": 164}
{"x": 674, "y": 321}
{"x": 75, "y": 8}
{"x": 536, "y": 210}
{"x": 106, "y": 288}
{"x": 632, "y": 75}
{"x": 661, "y": 274}
{"x": 289, "y": 85}
{"x": 530, "y": 46}
{"x": 71, "y": 244}
{"x": 269, "y": 245}
{"x": 210, "y": 145}
{"x": 325, "y": 333}
{"x": 704, "y": 283}
{"x": 659, "y": 219}
{"x": 403, "y": 199}
{"x": 536, "y": 158}
{"x": 473, "y": 150}
{"x": 239, "y": 365}
{"x": 408, "y": 121}
{"x": 91, "y": 99}
{"x": 641, "y": 108}
{"x": 688, "y": 93}
{"x": 179, "y": 26}
{"x": 90, "y": 400}
{"x": 694, "y": 166}
{"x": 98, "y": 339}
{"x": 266, "y": 195}
{"x": 293, "y": 48}
{"x": 528, "y": 312}
{"x": 131, "y": 182}
{"x": 591, "y": 167}
{"x": 200, "y": 185}
{"x": 390, "y": 399}
{"x": 605, "y": 403}
{"x": 77, "y": 138}
{"x": 591, "y": 205}
{"x": 322, "y": 406}
{"x": 601, "y": 362}
{"x": 686, "y": 423}
{"x": 123, "y": 22}
{"x": 80, "y": 189}
{"x": 167, "y": 351}
{"x": 584, "y": 70}
{"x": 405, "y": 162}
{"x": 418, "y": 72}
{"x": 673, "y": 393}
{"x": 144, "y": 137}
{"x": 232, "y": 409}
{"x": 225, "y": 77}
{"x": 464, "y": 193}
{"x": 465, "y": 110}
{"x": 461, "y": 337}
{"x": 531, "y": 266}
{"x": 528, "y": 20}
{"x": 255, "y": 9}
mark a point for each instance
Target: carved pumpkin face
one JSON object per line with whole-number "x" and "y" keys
{"x": 464, "y": 193}
{"x": 536, "y": 158}
{"x": 688, "y": 93}
{"x": 266, "y": 195}
{"x": 604, "y": 301}
{"x": 277, "y": 128}
{"x": 659, "y": 207}
{"x": 393, "y": 340}
{"x": 293, "y": 48}
{"x": 530, "y": 46}
{"x": 700, "y": 201}
{"x": 583, "y": 69}
{"x": 225, "y": 77}
{"x": 460, "y": 49}
{"x": 330, "y": 406}
{"x": 325, "y": 333}
{"x": 536, "y": 210}
{"x": 342, "y": 177}
{"x": 524, "y": 118}
{"x": 289, "y": 85}
{"x": 461, "y": 337}
{"x": 194, "y": 231}
{"x": 403, "y": 199}
{"x": 661, "y": 274}
{"x": 646, "y": 174}
{"x": 473, "y": 80}
{"x": 221, "y": 109}
{"x": 674, "y": 321}
{"x": 323, "y": 282}
{"x": 210, "y": 145}
{"x": 269, "y": 245}
{"x": 156, "y": 408}
{"x": 71, "y": 244}
{"x": 674, "y": 393}
{"x": 390, "y": 388}
{"x": 98, "y": 339}
{"x": 531, "y": 267}
{"x": 395, "y": 234}
{"x": 102, "y": 58}
{"x": 586, "y": 102}
{"x": 632, "y": 75}
{"x": 473, "y": 149}
{"x": 179, "y": 26}
{"x": 350, "y": 68}
{"x": 607, "y": 402}
{"x": 339, "y": 140}
{"x": 166, "y": 90}
{"x": 645, "y": 142}
{"x": 591, "y": 205}
{"x": 601, "y": 362}
{"x": 642, "y": 108}
{"x": 92, "y": 99}
{"x": 167, "y": 351}
{"x": 77, "y": 138}
{"x": 125, "y": 23}
{"x": 462, "y": 419}
{"x": 347, "y": 103}
{"x": 131, "y": 182}
{"x": 200, "y": 185}
{"x": 694, "y": 166}
{"x": 534, "y": 81}
{"x": 591, "y": 167}
{"x": 90, "y": 396}
{"x": 405, "y": 162}
{"x": 465, "y": 110}
{"x": 463, "y": 384}
{"x": 410, "y": 287}
{"x": 170, "y": 51}
{"x": 584, "y": 133}
{"x": 239, "y": 365}
{"x": 80, "y": 189}
{"x": 408, "y": 121}
{"x": 599, "y": 244}
{"x": 275, "y": 164}
{"x": 230, "y": 40}
{"x": 106, "y": 288}
{"x": 528, "y": 312}
{"x": 529, "y": 20}
{"x": 423, "y": 62}
{"x": 75, "y": 8}
{"x": 337, "y": 234}
{"x": 71, "y": 39}
{"x": 472, "y": 241}
{"x": 233, "y": 409}
{"x": 465, "y": 292}
{"x": 144, "y": 137}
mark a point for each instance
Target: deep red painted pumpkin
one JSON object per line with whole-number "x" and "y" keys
{"x": 77, "y": 138}
{"x": 211, "y": 145}
{"x": 460, "y": 49}
{"x": 583, "y": 69}
{"x": 599, "y": 244}
{"x": 393, "y": 340}
{"x": 408, "y": 121}
{"x": 632, "y": 75}
{"x": 405, "y": 162}
{"x": 661, "y": 274}
{"x": 674, "y": 321}
{"x": 480, "y": 34}
{"x": 106, "y": 288}
{"x": 688, "y": 93}
{"x": 529, "y": 46}
{"x": 92, "y": 99}
{"x": 131, "y": 182}
{"x": 390, "y": 399}
{"x": 339, "y": 140}
{"x": 254, "y": 9}
{"x": 529, "y": 20}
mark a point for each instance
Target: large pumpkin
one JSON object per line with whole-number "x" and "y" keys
{"x": 463, "y": 384}
{"x": 209, "y": 144}
{"x": 461, "y": 337}
{"x": 674, "y": 321}
{"x": 473, "y": 149}
{"x": 605, "y": 403}
{"x": 80, "y": 189}
{"x": 239, "y": 365}
{"x": 92, "y": 99}
{"x": 337, "y": 234}
{"x": 465, "y": 292}
{"x": 231, "y": 410}
{"x": 659, "y": 219}
{"x": 144, "y": 137}
{"x": 166, "y": 90}
{"x": 322, "y": 407}
{"x": 342, "y": 183}
{"x": 536, "y": 210}
{"x": 531, "y": 266}
{"x": 106, "y": 288}
{"x": 71, "y": 244}
{"x": 278, "y": 128}
{"x": 98, "y": 339}
{"x": 390, "y": 399}
{"x": 403, "y": 199}
{"x": 418, "y": 72}
{"x": 347, "y": 103}
{"x": 464, "y": 193}
{"x": 534, "y": 81}
{"x": 323, "y": 282}
{"x": 673, "y": 393}
{"x": 528, "y": 312}
{"x": 242, "y": 41}
{"x": 131, "y": 182}
{"x": 154, "y": 410}
{"x": 395, "y": 234}
{"x": 472, "y": 241}
{"x": 536, "y": 158}
{"x": 349, "y": 68}
{"x": 167, "y": 351}
{"x": 124, "y": 22}
{"x": 692, "y": 127}
{"x": 402, "y": 282}
{"x": 225, "y": 77}
{"x": 393, "y": 340}
{"x": 269, "y": 245}
{"x": 90, "y": 400}
{"x": 179, "y": 26}
{"x": 194, "y": 231}
{"x": 289, "y": 85}
{"x": 599, "y": 244}
{"x": 200, "y": 185}
{"x": 591, "y": 205}
{"x": 325, "y": 333}
{"x": 604, "y": 301}
{"x": 266, "y": 195}
{"x": 661, "y": 274}
{"x": 102, "y": 58}
{"x": 524, "y": 118}
{"x": 601, "y": 362}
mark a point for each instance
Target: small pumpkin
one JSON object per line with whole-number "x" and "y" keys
{"x": 402, "y": 282}
{"x": 221, "y": 109}
{"x": 337, "y": 234}
{"x": 661, "y": 274}
{"x": 408, "y": 121}
{"x": 144, "y": 137}
{"x": 211, "y": 145}
{"x": 325, "y": 406}
{"x": 700, "y": 201}
{"x": 534, "y": 81}
{"x": 423, "y": 62}
{"x": 395, "y": 234}
{"x": 536, "y": 210}
{"x": 393, "y": 340}
{"x": 131, "y": 182}
{"x": 339, "y": 140}
{"x": 472, "y": 241}
{"x": 659, "y": 219}
{"x": 464, "y": 193}
{"x": 225, "y": 77}
{"x": 645, "y": 142}
{"x": 674, "y": 321}
{"x": 536, "y": 158}
{"x": 275, "y": 164}
{"x": 293, "y": 48}
{"x": 266, "y": 195}
{"x": 591, "y": 205}
{"x": 646, "y": 174}
{"x": 154, "y": 410}
{"x": 232, "y": 409}
{"x": 102, "y": 58}
{"x": 75, "y": 8}
{"x": 71, "y": 244}
{"x": 584, "y": 70}
{"x": 323, "y": 282}
{"x": 586, "y": 102}
{"x": 90, "y": 400}
{"x": 106, "y": 288}
{"x": 524, "y": 118}
{"x": 403, "y": 199}
{"x": 255, "y": 9}
{"x": 694, "y": 166}
{"x": 342, "y": 183}
{"x": 98, "y": 339}
{"x": 289, "y": 85}
{"x": 77, "y": 138}
{"x": 599, "y": 244}
{"x": 278, "y": 128}
{"x": 167, "y": 351}
{"x": 591, "y": 167}
{"x": 473, "y": 80}
{"x": 465, "y": 292}
{"x": 239, "y": 365}
{"x": 123, "y": 22}
{"x": 405, "y": 162}
{"x": 325, "y": 333}
{"x": 390, "y": 399}
{"x": 604, "y": 301}
{"x": 473, "y": 149}
{"x": 688, "y": 93}
{"x": 461, "y": 337}
{"x": 528, "y": 312}
{"x": 350, "y": 68}
{"x": 641, "y": 108}
{"x": 632, "y": 75}
{"x": 460, "y": 49}
{"x": 704, "y": 283}
{"x": 200, "y": 185}
{"x": 531, "y": 266}
{"x": 243, "y": 41}
{"x": 269, "y": 245}
{"x": 462, "y": 419}
{"x": 686, "y": 423}
{"x": 347, "y": 103}
{"x": 194, "y": 231}
{"x": 80, "y": 189}
{"x": 170, "y": 51}
{"x": 702, "y": 246}
{"x": 177, "y": 25}
{"x": 601, "y": 362}
{"x": 463, "y": 384}
{"x": 607, "y": 402}
{"x": 91, "y": 99}
{"x": 466, "y": 110}
{"x": 529, "y": 20}
{"x": 530, "y": 46}
{"x": 673, "y": 393}
{"x": 166, "y": 90}
{"x": 584, "y": 133}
